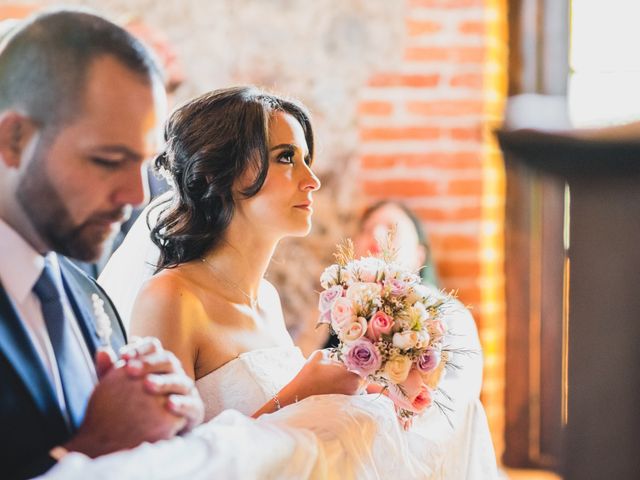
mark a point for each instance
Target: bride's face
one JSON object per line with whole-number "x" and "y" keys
{"x": 283, "y": 206}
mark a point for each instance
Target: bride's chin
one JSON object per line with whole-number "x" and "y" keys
{"x": 302, "y": 231}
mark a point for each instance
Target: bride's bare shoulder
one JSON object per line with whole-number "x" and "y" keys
{"x": 166, "y": 302}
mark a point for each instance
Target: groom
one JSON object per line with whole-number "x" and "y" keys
{"x": 80, "y": 102}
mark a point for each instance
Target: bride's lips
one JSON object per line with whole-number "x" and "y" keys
{"x": 304, "y": 206}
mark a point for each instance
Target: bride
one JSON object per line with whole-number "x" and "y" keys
{"x": 240, "y": 161}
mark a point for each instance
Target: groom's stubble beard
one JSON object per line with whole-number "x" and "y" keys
{"x": 52, "y": 219}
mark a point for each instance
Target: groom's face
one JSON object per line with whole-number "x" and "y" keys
{"x": 83, "y": 178}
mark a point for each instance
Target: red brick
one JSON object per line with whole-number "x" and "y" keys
{"x": 473, "y": 81}
{"x": 470, "y": 295}
{"x": 465, "y": 187}
{"x": 404, "y": 80}
{"x": 400, "y": 133}
{"x": 446, "y": 107}
{"x": 455, "y": 242}
{"x": 449, "y": 160}
{"x": 400, "y": 188}
{"x": 472, "y": 28}
{"x": 375, "y": 108}
{"x": 446, "y": 3}
{"x": 462, "y": 213}
{"x": 422, "y": 27}
{"x": 466, "y": 268}
{"x": 446, "y": 54}
{"x": 466, "y": 133}
{"x": 370, "y": 162}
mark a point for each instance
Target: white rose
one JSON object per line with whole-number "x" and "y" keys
{"x": 362, "y": 292}
{"x": 368, "y": 269}
{"x": 329, "y": 277}
{"x": 405, "y": 340}
{"x": 423, "y": 339}
{"x": 417, "y": 293}
{"x": 346, "y": 277}
{"x": 417, "y": 313}
{"x": 393, "y": 270}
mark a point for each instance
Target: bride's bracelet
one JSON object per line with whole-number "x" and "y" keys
{"x": 276, "y": 401}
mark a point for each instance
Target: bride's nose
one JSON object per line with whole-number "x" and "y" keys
{"x": 310, "y": 182}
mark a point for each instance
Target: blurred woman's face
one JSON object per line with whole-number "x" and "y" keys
{"x": 375, "y": 229}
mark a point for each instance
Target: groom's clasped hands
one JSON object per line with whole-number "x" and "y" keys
{"x": 144, "y": 396}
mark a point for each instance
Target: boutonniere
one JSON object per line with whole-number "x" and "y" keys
{"x": 103, "y": 323}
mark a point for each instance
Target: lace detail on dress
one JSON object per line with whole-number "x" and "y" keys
{"x": 248, "y": 381}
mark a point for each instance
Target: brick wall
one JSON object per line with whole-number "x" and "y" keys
{"x": 425, "y": 132}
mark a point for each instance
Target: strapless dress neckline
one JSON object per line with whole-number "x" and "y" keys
{"x": 249, "y": 380}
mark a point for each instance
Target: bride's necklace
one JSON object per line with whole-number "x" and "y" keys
{"x": 252, "y": 301}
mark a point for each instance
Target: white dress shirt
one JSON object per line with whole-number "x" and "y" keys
{"x": 20, "y": 268}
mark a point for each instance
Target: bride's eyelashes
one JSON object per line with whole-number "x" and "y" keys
{"x": 286, "y": 157}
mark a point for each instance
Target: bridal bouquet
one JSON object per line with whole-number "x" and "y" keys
{"x": 389, "y": 326}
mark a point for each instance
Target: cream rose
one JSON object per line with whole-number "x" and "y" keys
{"x": 397, "y": 368}
{"x": 354, "y": 330}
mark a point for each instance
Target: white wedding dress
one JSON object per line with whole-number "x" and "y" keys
{"x": 321, "y": 437}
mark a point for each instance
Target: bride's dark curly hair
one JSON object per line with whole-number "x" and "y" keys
{"x": 210, "y": 142}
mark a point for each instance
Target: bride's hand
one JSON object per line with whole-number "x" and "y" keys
{"x": 320, "y": 375}
{"x": 323, "y": 375}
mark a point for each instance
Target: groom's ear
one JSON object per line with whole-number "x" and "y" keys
{"x": 16, "y": 131}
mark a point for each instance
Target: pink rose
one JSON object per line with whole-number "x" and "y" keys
{"x": 416, "y": 397}
{"x": 325, "y": 318}
{"x": 380, "y": 323}
{"x": 428, "y": 360}
{"x": 422, "y": 401}
{"x": 362, "y": 357}
{"x": 396, "y": 287}
{"x": 341, "y": 314}
{"x": 328, "y": 298}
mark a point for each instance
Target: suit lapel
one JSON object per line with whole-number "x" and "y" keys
{"x": 16, "y": 346}
{"x": 81, "y": 310}
{"x": 79, "y": 289}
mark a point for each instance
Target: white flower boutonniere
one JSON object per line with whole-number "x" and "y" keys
{"x": 103, "y": 324}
